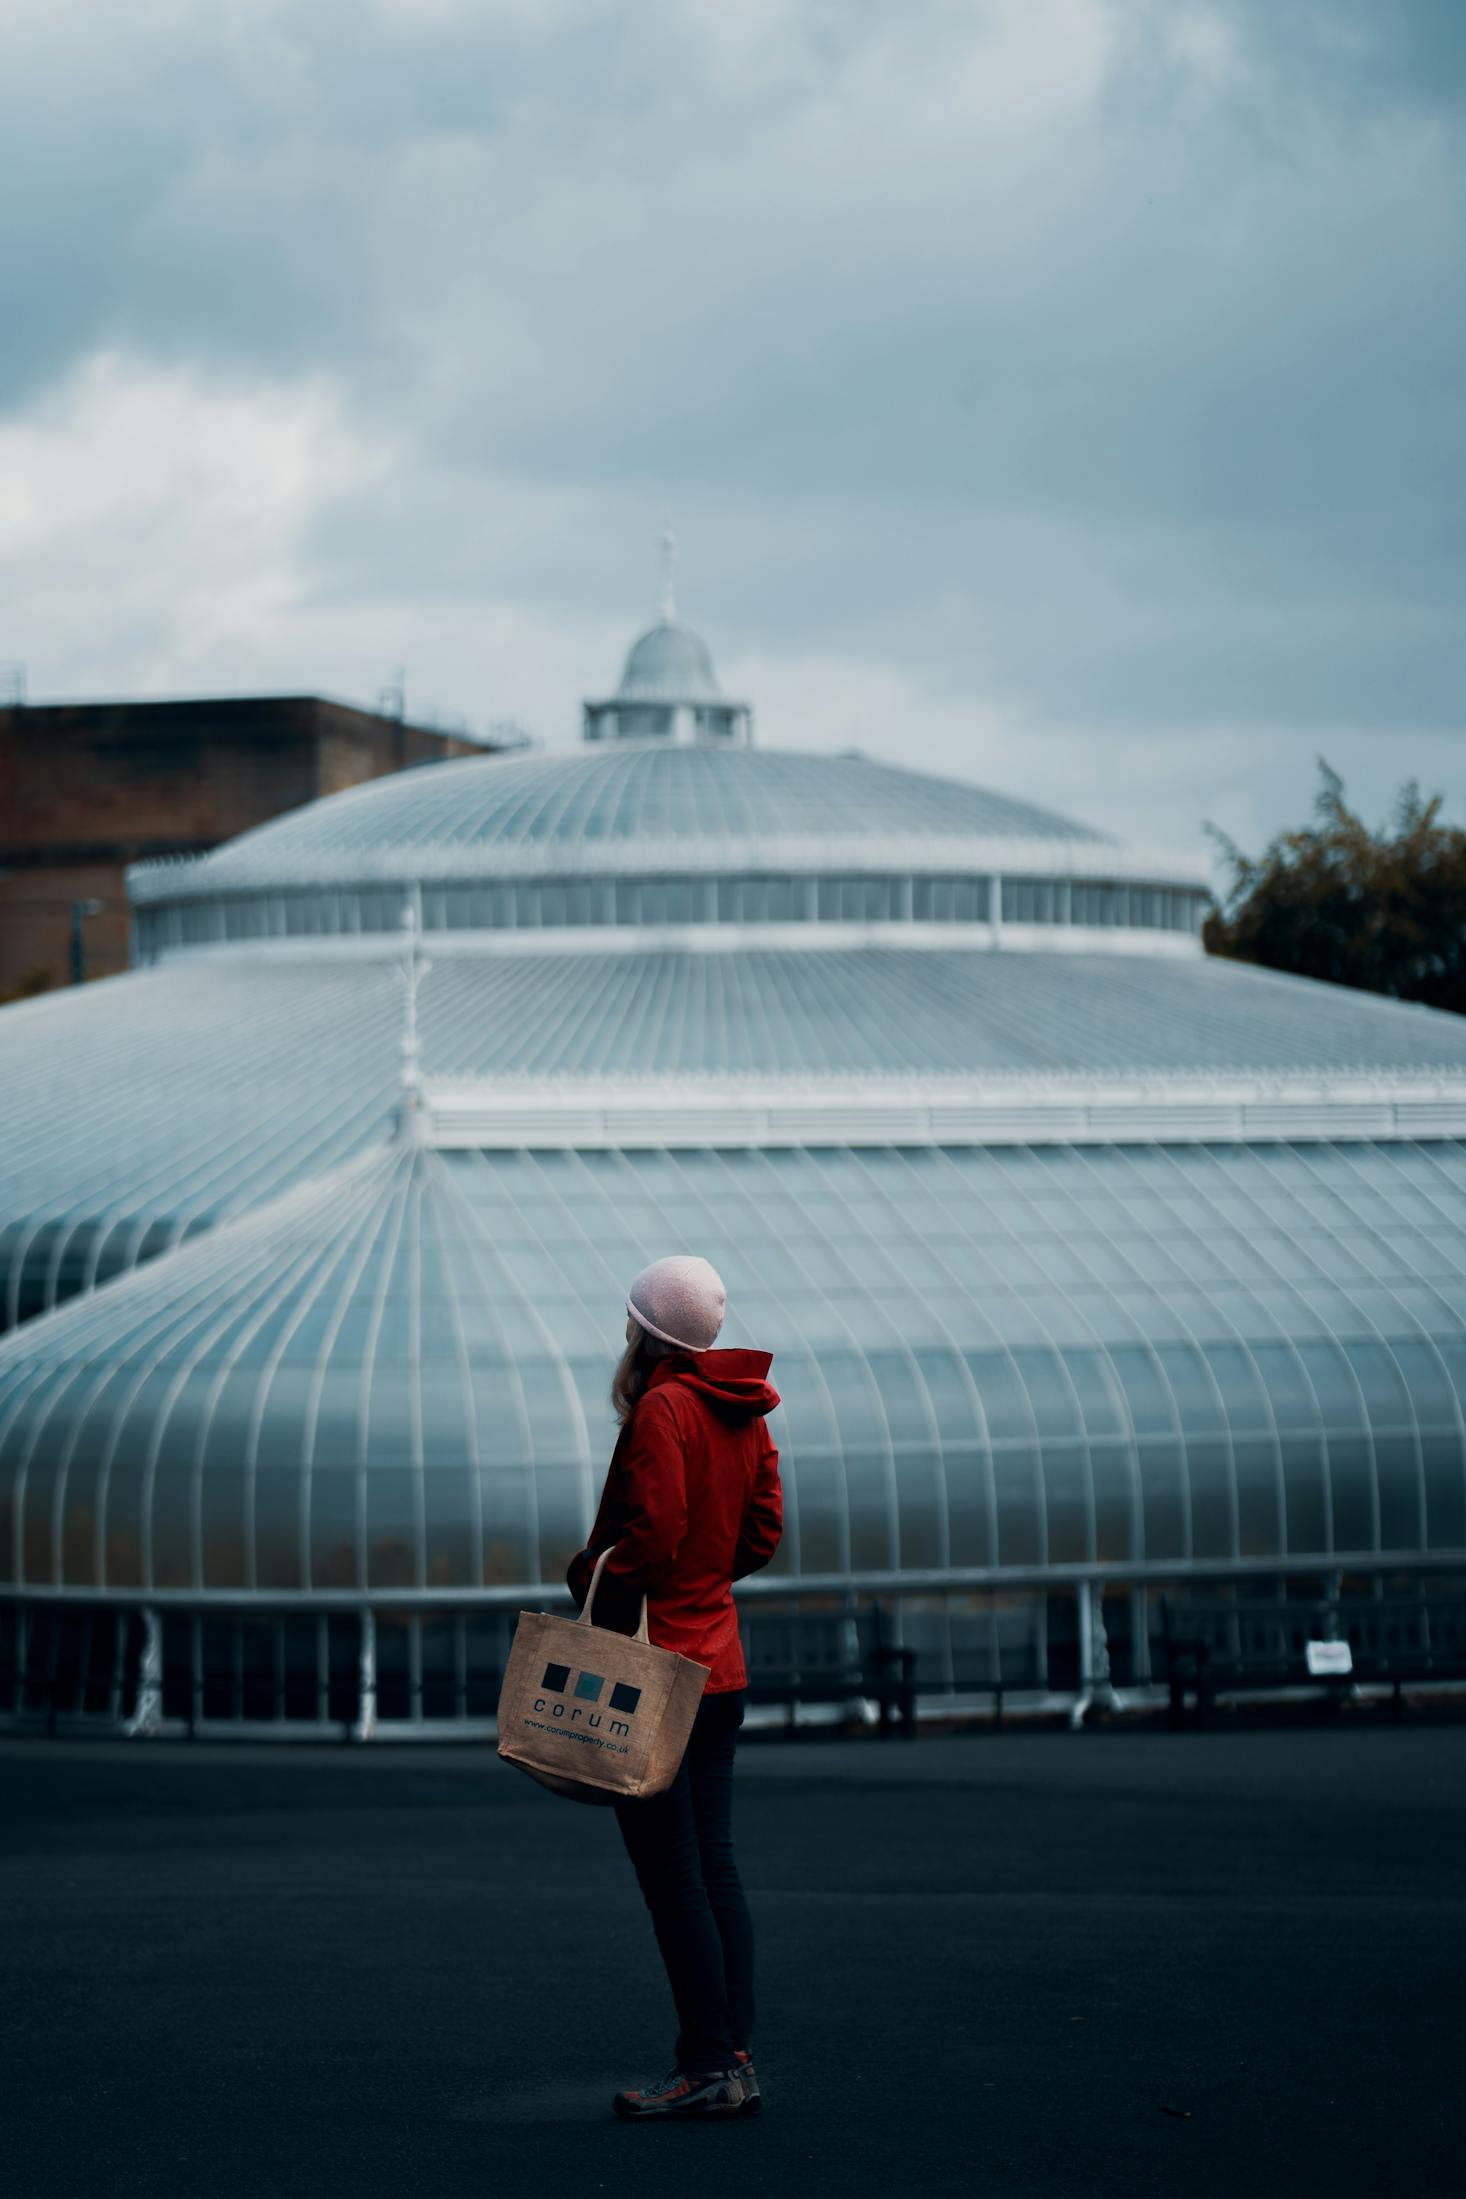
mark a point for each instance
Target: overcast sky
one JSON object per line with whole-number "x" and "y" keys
{"x": 1067, "y": 394}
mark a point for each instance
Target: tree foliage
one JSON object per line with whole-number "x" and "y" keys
{"x": 1385, "y": 911}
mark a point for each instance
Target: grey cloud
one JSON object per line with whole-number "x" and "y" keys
{"x": 1358, "y": 55}
{"x": 1141, "y": 408}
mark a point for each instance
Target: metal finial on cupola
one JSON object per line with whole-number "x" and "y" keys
{"x": 413, "y": 967}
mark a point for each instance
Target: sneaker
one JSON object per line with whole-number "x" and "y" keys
{"x": 753, "y": 2099}
{"x": 715, "y": 2092}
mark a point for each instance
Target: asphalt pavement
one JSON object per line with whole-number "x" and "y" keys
{"x": 1115, "y": 1962}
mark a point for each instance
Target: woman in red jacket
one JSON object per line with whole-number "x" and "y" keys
{"x": 692, "y": 1502}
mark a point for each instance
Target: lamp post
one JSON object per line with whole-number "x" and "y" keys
{"x": 80, "y": 910}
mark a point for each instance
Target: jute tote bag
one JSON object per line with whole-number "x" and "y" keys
{"x": 596, "y": 1715}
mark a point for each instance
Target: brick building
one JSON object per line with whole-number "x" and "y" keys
{"x": 86, "y": 788}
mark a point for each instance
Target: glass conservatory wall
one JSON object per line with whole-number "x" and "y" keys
{"x": 989, "y": 1360}
{"x": 775, "y": 898}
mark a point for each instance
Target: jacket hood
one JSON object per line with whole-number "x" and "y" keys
{"x": 732, "y": 1382}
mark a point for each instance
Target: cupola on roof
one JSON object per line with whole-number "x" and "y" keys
{"x": 669, "y": 691}
{"x": 669, "y": 663}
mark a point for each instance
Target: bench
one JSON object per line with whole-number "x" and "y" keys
{"x": 1395, "y": 1641}
{"x": 820, "y": 1657}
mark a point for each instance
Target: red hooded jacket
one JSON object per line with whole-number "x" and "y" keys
{"x": 692, "y": 1502}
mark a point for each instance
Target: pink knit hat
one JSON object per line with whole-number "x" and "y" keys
{"x": 681, "y": 1300}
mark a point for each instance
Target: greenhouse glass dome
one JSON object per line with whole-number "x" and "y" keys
{"x": 1096, "y": 1273}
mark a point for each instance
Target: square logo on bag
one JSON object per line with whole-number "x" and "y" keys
{"x": 589, "y": 1686}
{"x": 624, "y": 1697}
{"x": 556, "y": 1678}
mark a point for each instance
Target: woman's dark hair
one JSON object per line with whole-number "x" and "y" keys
{"x": 632, "y": 1369}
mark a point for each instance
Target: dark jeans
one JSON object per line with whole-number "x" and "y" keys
{"x": 681, "y": 1843}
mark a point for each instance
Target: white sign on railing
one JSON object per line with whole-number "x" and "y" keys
{"x": 1329, "y": 1657}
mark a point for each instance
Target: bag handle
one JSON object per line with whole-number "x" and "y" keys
{"x": 641, "y": 1634}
